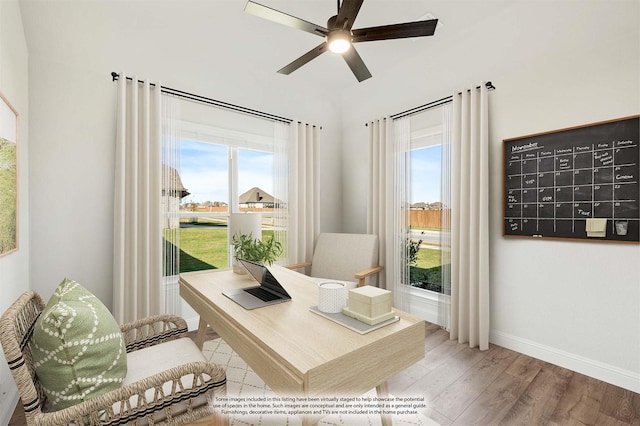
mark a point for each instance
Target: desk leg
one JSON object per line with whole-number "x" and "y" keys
{"x": 383, "y": 392}
{"x": 306, "y": 421}
{"x": 202, "y": 331}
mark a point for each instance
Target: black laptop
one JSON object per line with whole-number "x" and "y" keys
{"x": 268, "y": 292}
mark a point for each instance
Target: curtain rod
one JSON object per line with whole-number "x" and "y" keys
{"x": 225, "y": 105}
{"x": 434, "y": 104}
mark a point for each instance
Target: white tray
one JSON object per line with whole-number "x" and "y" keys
{"x": 352, "y": 323}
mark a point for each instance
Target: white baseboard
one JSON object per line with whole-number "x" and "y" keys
{"x": 596, "y": 369}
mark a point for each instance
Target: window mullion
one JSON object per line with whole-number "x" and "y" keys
{"x": 233, "y": 180}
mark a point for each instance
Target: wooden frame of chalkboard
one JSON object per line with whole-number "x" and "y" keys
{"x": 580, "y": 183}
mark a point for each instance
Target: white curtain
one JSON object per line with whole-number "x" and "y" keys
{"x": 281, "y": 185}
{"x": 137, "y": 259}
{"x": 444, "y": 311}
{"x": 380, "y": 188}
{"x": 388, "y": 200}
{"x": 304, "y": 192}
{"x": 470, "y": 218}
{"x": 401, "y": 166}
{"x": 172, "y": 192}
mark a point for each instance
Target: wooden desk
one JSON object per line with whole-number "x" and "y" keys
{"x": 295, "y": 351}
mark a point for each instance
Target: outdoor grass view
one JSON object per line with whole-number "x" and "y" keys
{"x": 204, "y": 244}
{"x": 427, "y": 265}
{"x": 209, "y": 174}
{"x": 428, "y": 251}
{"x": 202, "y": 236}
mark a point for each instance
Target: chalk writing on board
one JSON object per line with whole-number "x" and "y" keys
{"x": 556, "y": 182}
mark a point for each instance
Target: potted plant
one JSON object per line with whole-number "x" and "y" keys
{"x": 254, "y": 249}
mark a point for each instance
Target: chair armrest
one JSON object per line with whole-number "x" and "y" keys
{"x": 362, "y": 275}
{"x": 153, "y": 330}
{"x": 298, "y": 265}
{"x": 134, "y": 401}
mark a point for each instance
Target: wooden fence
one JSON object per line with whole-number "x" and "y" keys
{"x": 418, "y": 219}
{"x": 429, "y": 218}
{"x": 225, "y": 209}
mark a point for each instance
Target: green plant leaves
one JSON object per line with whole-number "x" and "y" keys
{"x": 257, "y": 250}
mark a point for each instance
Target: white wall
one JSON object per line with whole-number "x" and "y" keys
{"x": 14, "y": 267}
{"x": 576, "y": 304}
{"x": 73, "y": 118}
{"x": 555, "y": 64}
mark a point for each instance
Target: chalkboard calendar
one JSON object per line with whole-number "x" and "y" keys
{"x": 558, "y": 184}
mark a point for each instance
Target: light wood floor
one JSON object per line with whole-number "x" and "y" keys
{"x": 465, "y": 386}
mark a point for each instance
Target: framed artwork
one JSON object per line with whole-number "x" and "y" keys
{"x": 8, "y": 177}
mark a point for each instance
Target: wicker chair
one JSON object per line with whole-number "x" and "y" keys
{"x": 177, "y": 395}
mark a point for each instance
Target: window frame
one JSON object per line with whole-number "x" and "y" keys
{"x": 428, "y": 304}
{"x": 234, "y": 140}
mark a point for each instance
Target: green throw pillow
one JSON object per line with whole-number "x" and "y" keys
{"x": 78, "y": 349}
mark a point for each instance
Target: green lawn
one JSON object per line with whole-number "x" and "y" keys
{"x": 428, "y": 258}
{"x": 205, "y": 248}
{"x": 427, "y": 273}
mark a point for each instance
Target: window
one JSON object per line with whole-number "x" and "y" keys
{"x": 223, "y": 171}
{"x": 428, "y": 221}
{"x": 429, "y": 244}
{"x": 204, "y": 212}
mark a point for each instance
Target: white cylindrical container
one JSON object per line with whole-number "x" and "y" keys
{"x": 243, "y": 224}
{"x": 332, "y": 297}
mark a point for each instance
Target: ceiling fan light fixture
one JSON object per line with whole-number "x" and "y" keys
{"x": 339, "y": 41}
{"x": 339, "y": 35}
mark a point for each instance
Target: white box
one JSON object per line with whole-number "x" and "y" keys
{"x": 369, "y": 304}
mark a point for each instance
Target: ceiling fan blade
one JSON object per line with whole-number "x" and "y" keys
{"x": 347, "y": 13}
{"x": 356, "y": 64}
{"x": 282, "y": 18}
{"x": 386, "y": 32}
{"x": 313, "y": 53}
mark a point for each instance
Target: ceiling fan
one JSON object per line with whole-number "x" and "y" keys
{"x": 338, "y": 35}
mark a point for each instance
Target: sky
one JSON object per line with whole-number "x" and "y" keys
{"x": 425, "y": 174}
{"x": 204, "y": 172}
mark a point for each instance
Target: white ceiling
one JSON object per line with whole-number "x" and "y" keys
{"x": 207, "y": 35}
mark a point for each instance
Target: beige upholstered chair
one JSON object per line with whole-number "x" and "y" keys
{"x": 168, "y": 380}
{"x": 344, "y": 257}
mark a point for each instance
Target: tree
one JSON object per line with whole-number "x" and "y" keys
{"x": 413, "y": 247}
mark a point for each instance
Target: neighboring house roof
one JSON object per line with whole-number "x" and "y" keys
{"x": 172, "y": 183}
{"x": 255, "y": 195}
{"x": 437, "y": 205}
